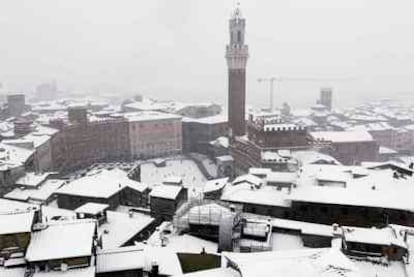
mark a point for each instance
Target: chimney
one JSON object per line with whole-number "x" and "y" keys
{"x": 154, "y": 269}
{"x": 63, "y": 267}
{"x": 337, "y": 236}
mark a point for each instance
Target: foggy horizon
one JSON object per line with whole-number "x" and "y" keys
{"x": 175, "y": 49}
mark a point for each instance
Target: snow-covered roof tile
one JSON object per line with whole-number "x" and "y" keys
{"x": 62, "y": 239}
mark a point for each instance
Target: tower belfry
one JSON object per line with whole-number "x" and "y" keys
{"x": 237, "y": 53}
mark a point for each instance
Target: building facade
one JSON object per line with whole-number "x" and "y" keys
{"x": 154, "y": 134}
{"x": 348, "y": 147}
{"x": 326, "y": 98}
{"x": 16, "y": 104}
{"x": 198, "y": 133}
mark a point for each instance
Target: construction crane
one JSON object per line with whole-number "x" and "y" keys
{"x": 271, "y": 80}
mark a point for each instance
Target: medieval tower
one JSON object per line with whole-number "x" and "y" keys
{"x": 236, "y": 56}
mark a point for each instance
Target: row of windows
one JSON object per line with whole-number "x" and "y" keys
{"x": 156, "y": 125}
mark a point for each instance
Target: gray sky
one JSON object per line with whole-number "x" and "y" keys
{"x": 175, "y": 48}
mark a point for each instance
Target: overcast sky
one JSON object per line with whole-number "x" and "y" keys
{"x": 175, "y": 48}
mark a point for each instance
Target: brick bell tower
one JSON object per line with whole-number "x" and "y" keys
{"x": 236, "y": 55}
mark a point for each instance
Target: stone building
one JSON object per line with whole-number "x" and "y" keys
{"x": 348, "y": 147}
{"x": 111, "y": 187}
{"x": 199, "y": 133}
{"x": 236, "y": 56}
{"x": 82, "y": 142}
{"x": 267, "y": 134}
{"x": 15, "y": 232}
{"x": 165, "y": 200}
{"x": 16, "y": 104}
{"x": 154, "y": 134}
{"x": 326, "y": 98}
{"x": 63, "y": 246}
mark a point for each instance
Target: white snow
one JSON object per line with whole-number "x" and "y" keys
{"x": 383, "y": 236}
{"x": 214, "y": 185}
{"x": 77, "y": 272}
{"x": 62, "y": 239}
{"x": 119, "y": 259}
{"x": 121, "y": 227}
{"x": 370, "y": 269}
{"x": 180, "y": 243}
{"x": 282, "y": 242}
{"x": 244, "y": 193}
{"x": 12, "y": 272}
{"x": 166, "y": 191}
{"x": 342, "y": 136}
{"x": 31, "y": 179}
{"x": 92, "y": 208}
{"x": 293, "y": 263}
{"x": 36, "y": 194}
{"x": 192, "y": 178}
{"x": 101, "y": 184}
{"x": 17, "y": 222}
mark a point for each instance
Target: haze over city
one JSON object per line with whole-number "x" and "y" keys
{"x": 174, "y": 49}
{"x": 189, "y": 138}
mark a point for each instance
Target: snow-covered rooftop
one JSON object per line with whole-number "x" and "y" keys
{"x": 266, "y": 195}
{"x": 315, "y": 262}
{"x": 119, "y": 228}
{"x": 342, "y": 136}
{"x": 313, "y": 157}
{"x": 214, "y": 185}
{"x": 101, "y": 184}
{"x": 166, "y": 259}
{"x": 32, "y": 179}
{"x": 17, "y": 222}
{"x": 37, "y": 194}
{"x": 76, "y": 272}
{"x": 119, "y": 259}
{"x": 12, "y": 272}
{"x": 384, "y": 236}
{"x": 62, "y": 239}
{"x": 12, "y": 156}
{"x": 259, "y": 171}
{"x": 7, "y": 206}
{"x": 166, "y": 191}
{"x": 92, "y": 208}
{"x": 216, "y": 119}
{"x": 282, "y": 177}
{"x": 248, "y": 178}
{"x": 150, "y": 116}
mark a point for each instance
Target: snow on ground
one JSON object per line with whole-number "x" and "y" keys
{"x": 192, "y": 177}
{"x": 282, "y": 241}
{"x": 370, "y": 269}
{"x": 12, "y": 272}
